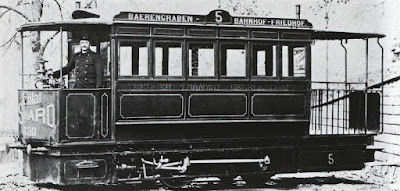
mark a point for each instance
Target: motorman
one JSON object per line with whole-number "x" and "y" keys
{"x": 88, "y": 68}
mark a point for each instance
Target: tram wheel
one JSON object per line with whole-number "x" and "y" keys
{"x": 176, "y": 183}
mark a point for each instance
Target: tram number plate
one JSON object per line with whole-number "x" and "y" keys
{"x": 330, "y": 159}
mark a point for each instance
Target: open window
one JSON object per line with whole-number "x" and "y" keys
{"x": 264, "y": 60}
{"x": 168, "y": 59}
{"x": 233, "y": 60}
{"x": 201, "y": 60}
{"x": 293, "y": 61}
{"x": 133, "y": 58}
{"x": 100, "y": 46}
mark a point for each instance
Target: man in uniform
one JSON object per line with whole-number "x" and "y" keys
{"x": 88, "y": 68}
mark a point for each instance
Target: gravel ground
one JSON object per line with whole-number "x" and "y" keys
{"x": 367, "y": 179}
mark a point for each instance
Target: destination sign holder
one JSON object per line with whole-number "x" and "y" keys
{"x": 217, "y": 17}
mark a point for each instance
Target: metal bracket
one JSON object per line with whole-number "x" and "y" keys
{"x": 182, "y": 166}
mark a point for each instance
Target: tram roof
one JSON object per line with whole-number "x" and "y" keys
{"x": 83, "y": 17}
{"x": 66, "y": 24}
{"x": 336, "y": 35}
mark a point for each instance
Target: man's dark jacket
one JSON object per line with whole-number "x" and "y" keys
{"x": 88, "y": 70}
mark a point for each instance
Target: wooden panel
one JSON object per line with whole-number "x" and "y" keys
{"x": 85, "y": 169}
{"x": 392, "y": 110}
{"x": 134, "y": 30}
{"x": 391, "y": 119}
{"x": 264, "y": 104}
{"x": 391, "y": 100}
{"x": 295, "y": 35}
{"x": 330, "y": 159}
{"x": 263, "y": 34}
{"x": 202, "y": 32}
{"x": 38, "y": 114}
{"x": 104, "y": 130}
{"x": 393, "y": 129}
{"x": 137, "y": 106}
{"x": 388, "y": 147}
{"x": 388, "y": 138}
{"x": 357, "y": 107}
{"x": 233, "y": 33}
{"x": 385, "y": 157}
{"x": 80, "y": 115}
{"x": 169, "y": 31}
{"x": 217, "y": 105}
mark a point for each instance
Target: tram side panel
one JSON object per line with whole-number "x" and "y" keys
{"x": 39, "y": 115}
{"x": 51, "y": 116}
{"x": 194, "y": 115}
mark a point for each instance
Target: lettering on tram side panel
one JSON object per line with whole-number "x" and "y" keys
{"x": 214, "y": 86}
{"x": 161, "y": 17}
{"x": 271, "y": 22}
{"x": 37, "y": 113}
{"x": 214, "y": 17}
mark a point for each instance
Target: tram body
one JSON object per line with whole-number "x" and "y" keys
{"x": 190, "y": 96}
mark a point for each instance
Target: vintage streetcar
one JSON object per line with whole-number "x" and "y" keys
{"x": 188, "y": 96}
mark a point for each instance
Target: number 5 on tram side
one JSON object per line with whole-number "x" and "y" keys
{"x": 190, "y": 96}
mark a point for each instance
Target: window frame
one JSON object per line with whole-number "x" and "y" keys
{"x": 247, "y": 67}
{"x": 253, "y": 61}
{"x": 307, "y": 47}
{"x": 216, "y": 63}
{"x": 149, "y": 61}
{"x": 153, "y": 57}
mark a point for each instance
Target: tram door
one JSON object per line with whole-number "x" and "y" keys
{"x": 87, "y": 115}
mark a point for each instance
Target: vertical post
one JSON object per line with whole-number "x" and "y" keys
{"x": 345, "y": 86}
{"x": 165, "y": 60}
{"x": 195, "y": 61}
{"x": 366, "y": 88}
{"x": 61, "y": 55}
{"x": 291, "y": 61}
{"x": 114, "y": 72}
{"x": 298, "y": 11}
{"x": 22, "y": 60}
{"x": 382, "y": 78}
{"x": 77, "y": 4}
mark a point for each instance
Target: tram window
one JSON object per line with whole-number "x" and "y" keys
{"x": 293, "y": 61}
{"x": 133, "y": 58}
{"x": 105, "y": 52}
{"x": 201, "y": 59}
{"x": 168, "y": 59}
{"x": 264, "y": 60}
{"x": 233, "y": 60}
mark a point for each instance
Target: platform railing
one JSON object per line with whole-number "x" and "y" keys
{"x": 339, "y": 109}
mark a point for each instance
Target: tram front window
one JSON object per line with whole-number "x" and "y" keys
{"x": 293, "y": 61}
{"x": 168, "y": 59}
{"x": 233, "y": 60}
{"x": 265, "y": 60}
{"x": 201, "y": 60}
{"x": 133, "y": 58}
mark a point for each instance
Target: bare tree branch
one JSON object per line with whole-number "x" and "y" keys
{"x": 43, "y": 48}
{"x": 59, "y": 8}
{"x": 10, "y": 40}
{"x": 16, "y": 11}
{"x": 4, "y": 13}
{"x": 9, "y": 43}
{"x": 89, "y": 5}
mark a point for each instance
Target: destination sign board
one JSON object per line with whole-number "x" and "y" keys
{"x": 219, "y": 17}
{"x": 38, "y": 114}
